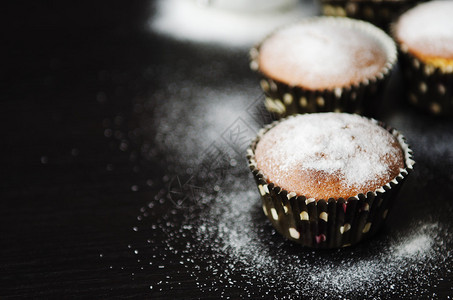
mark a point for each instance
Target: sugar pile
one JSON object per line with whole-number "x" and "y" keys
{"x": 185, "y": 20}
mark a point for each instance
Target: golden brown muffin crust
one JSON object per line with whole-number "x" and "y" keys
{"x": 329, "y": 155}
{"x": 321, "y": 55}
{"x": 427, "y": 31}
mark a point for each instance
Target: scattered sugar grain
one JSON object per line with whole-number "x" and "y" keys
{"x": 230, "y": 229}
{"x": 208, "y": 120}
{"x": 228, "y": 232}
{"x": 233, "y": 237}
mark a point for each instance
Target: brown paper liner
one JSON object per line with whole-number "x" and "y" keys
{"x": 427, "y": 87}
{"x": 379, "y": 13}
{"x": 362, "y": 98}
{"x": 331, "y": 223}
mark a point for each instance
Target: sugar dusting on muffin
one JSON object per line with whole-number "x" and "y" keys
{"x": 427, "y": 30}
{"x": 321, "y": 55}
{"x": 329, "y": 155}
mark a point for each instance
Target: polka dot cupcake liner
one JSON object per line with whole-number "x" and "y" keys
{"x": 427, "y": 87}
{"x": 328, "y": 223}
{"x": 379, "y": 13}
{"x": 282, "y": 99}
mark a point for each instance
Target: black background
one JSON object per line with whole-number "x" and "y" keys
{"x": 85, "y": 205}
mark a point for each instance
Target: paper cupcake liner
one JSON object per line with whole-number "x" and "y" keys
{"x": 379, "y": 13}
{"x": 331, "y": 223}
{"x": 427, "y": 87}
{"x": 283, "y": 99}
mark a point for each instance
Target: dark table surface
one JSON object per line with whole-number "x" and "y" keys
{"x": 123, "y": 173}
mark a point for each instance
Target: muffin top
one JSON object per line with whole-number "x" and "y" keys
{"x": 323, "y": 53}
{"x": 427, "y": 30}
{"x": 329, "y": 155}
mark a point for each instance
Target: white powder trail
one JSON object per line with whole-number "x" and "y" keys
{"x": 231, "y": 229}
{"x": 205, "y": 120}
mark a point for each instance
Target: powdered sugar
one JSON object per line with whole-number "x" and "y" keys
{"x": 224, "y": 246}
{"x": 321, "y": 54}
{"x": 428, "y": 29}
{"x": 206, "y": 119}
{"x": 233, "y": 229}
{"x": 349, "y": 147}
{"x": 418, "y": 245}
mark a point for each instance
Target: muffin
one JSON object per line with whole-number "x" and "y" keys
{"x": 324, "y": 64}
{"x": 328, "y": 180}
{"x": 380, "y": 13}
{"x": 425, "y": 38}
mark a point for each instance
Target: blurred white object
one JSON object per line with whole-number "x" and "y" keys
{"x": 252, "y": 6}
{"x": 236, "y": 23}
